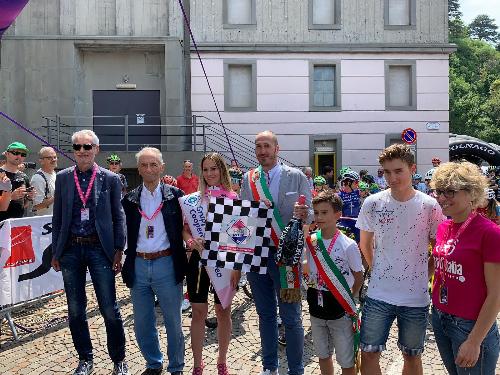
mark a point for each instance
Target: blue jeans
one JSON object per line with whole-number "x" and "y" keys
{"x": 451, "y": 331}
{"x": 157, "y": 277}
{"x": 376, "y": 322}
{"x": 265, "y": 291}
{"x": 74, "y": 263}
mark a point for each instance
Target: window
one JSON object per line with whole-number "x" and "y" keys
{"x": 400, "y": 14}
{"x": 400, "y": 85}
{"x": 240, "y": 86}
{"x": 324, "y": 14}
{"x": 238, "y": 13}
{"x": 324, "y": 86}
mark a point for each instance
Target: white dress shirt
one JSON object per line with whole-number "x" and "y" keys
{"x": 273, "y": 181}
{"x": 149, "y": 204}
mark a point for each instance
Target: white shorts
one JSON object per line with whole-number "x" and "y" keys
{"x": 334, "y": 334}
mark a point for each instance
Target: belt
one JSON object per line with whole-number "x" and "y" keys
{"x": 93, "y": 239}
{"x": 156, "y": 255}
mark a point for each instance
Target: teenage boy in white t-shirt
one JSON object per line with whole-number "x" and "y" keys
{"x": 331, "y": 327}
{"x": 397, "y": 225}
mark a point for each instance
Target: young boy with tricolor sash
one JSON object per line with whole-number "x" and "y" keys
{"x": 334, "y": 273}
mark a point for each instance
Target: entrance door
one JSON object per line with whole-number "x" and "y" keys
{"x": 113, "y": 109}
{"x": 321, "y": 160}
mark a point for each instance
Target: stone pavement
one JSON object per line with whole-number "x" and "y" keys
{"x": 48, "y": 349}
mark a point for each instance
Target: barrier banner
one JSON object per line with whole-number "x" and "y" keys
{"x": 195, "y": 211}
{"x": 25, "y": 256}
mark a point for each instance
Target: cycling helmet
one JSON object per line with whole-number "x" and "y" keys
{"x": 428, "y": 175}
{"x": 491, "y": 169}
{"x": 417, "y": 176}
{"x": 344, "y": 170}
{"x": 369, "y": 179}
{"x": 350, "y": 175}
{"x": 113, "y": 158}
{"x": 363, "y": 186}
{"x": 490, "y": 193}
{"x": 170, "y": 180}
{"x": 436, "y": 160}
{"x": 319, "y": 181}
{"x": 374, "y": 188}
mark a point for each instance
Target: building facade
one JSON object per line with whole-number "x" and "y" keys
{"x": 337, "y": 80}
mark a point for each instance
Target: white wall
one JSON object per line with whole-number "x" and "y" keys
{"x": 363, "y": 122}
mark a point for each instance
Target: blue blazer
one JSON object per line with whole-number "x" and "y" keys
{"x": 109, "y": 215}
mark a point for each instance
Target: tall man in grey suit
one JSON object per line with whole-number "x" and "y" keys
{"x": 285, "y": 185}
{"x": 89, "y": 233}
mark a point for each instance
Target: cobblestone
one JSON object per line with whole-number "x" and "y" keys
{"x": 48, "y": 348}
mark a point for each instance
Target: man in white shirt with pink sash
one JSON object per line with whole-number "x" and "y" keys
{"x": 281, "y": 185}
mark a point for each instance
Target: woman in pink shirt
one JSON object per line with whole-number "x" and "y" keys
{"x": 214, "y": 181}
{"x": 466, "y": 291}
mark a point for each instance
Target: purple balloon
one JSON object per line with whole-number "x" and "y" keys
{"x": 9, "y": 10}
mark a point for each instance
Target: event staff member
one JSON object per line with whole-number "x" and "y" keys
{"x": 15, "y": 154}
{"x": 187, "y": 181}
{"x": 44, "y": 182}
{"x": 284, "y": 185}
{"x": 466, "y": 291}
{"x": 397, "y": 225}
{"x": 155, "y": 262}
{"x": 89, "y": 233}
{"x": 215, "y": 181}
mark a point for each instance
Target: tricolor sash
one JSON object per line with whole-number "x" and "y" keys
{"x": 335, "y": 281}
{"x": 289, "y": 275}
{"x": 260, "y": 191}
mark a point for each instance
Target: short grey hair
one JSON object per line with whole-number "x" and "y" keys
{"x": 149, "y": 150}
{"x": 307, "y": 169}
{"x": 85, "y": 132}
{"x": 45, "y": 149}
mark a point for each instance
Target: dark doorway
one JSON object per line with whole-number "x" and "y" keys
{"x": 139, "y": 109}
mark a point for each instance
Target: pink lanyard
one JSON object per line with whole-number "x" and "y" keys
{"x": 85, "y": 198}
{"x": 155, "y": 214}
{"x": 462, "y": 228}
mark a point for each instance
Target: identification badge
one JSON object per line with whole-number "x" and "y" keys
{"x": 320, "y": 298}
{"x": 443, "y": 294}
{"x": 150, "y": 231}
{"x": 84, "y": 214}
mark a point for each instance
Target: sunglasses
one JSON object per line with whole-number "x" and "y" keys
{"x": 446, "y": 193}
{"x": 86, "y": 146}
{"x": 18, "y": 153}
{"x": 114, "y": 163}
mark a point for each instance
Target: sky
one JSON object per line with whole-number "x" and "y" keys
{"x": 472, "y": 8}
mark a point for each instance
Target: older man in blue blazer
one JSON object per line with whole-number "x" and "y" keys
{"x": 89, "y": 233}
{"x": 285, "y": 185}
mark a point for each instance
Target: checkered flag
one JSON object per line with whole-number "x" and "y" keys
{"x": 237, "y": 235}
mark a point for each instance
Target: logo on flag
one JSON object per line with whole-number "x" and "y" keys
{"x": 238, "y": 232}
{"x": 193, "y": 200}
{"x": 21, "y": 247}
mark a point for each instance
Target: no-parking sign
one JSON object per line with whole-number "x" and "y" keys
{"x": 409, "y": 136}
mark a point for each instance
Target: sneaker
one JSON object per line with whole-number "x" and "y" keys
{"x": 198, "y": 371}
{"x": 120, "y": 368}
{"x": 269, "y": 372}
{"x": 84, "y": 368}
{"x": 176, "y": 373}
{"x": 152, "y": 371}
{"x": 185, "y": 304}
{"x": 222, "y": 369}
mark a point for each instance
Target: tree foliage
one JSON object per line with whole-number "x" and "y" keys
{"x": 474, "y": 79}
{"x": 484, "y": 28}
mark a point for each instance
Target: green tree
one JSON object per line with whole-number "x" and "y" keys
{"x": 484, "y": 28}
{"x": 454, "y": 9}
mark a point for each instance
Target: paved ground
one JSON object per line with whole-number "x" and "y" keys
{"x": 49, "y": 349}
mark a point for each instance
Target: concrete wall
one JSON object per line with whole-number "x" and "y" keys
{"x": 286, "y": 22}
{"x": 363, "y": 125}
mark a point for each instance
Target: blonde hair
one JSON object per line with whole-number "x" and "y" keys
{"x": 225, "y": 180}
{"x": 461, "y": 176}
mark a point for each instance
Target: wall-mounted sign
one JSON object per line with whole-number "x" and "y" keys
{"x": 140, "y": 118}
{"x": 409, "y": 136}
{"x": 433, "y": 126}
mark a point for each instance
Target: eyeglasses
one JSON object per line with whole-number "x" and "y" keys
{"x": 86, "y": 146}
{"x": 447, "y": 193}
{"x": 114, "y": 163}
{"x": 16, "y": 153}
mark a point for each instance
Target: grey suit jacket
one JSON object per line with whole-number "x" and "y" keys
{"x": 109, "y": 215}
{"x": 292, "y": 184}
